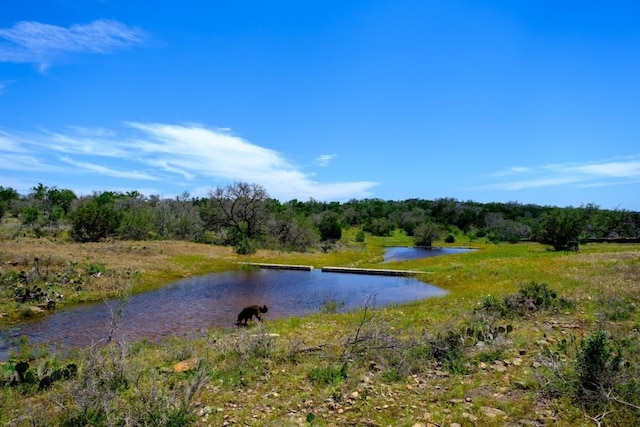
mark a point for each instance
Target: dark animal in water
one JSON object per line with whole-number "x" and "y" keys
{"x": 247, "y": 313}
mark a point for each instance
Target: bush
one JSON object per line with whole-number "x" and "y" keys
{"x": 329, "y": 375}
{"x": 329, "y": 228}
{"x": 560, "y": 226}
{"x": 534, "y": 296}
{"x": 94, "y": 221}
{"x": 597, "y": 365}
{"x": 245, "y": 247}
{"x": 616, "y": 308}
{"x": 599, "y": 373}
{"x": 450, "y": 238}
{"x": 426, "y": 233}
{"x": 447, "y": 348}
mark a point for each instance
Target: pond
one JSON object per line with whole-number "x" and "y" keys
{"x": 194, "y": 305}
{"x": 407, "y": 253}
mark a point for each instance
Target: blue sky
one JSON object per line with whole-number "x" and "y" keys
{"x": 531, "y": 101}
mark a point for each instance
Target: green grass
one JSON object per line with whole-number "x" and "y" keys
{"x": 375, "y": 366}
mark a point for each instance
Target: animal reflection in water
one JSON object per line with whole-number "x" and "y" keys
{"x": 249, "y": 312}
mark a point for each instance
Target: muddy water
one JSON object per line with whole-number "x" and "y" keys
{"x": 192, "y": 306}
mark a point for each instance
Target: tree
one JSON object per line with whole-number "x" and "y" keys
{"x": 560, "y": 226}
{"x": 242, "y": 208}
{"x": 7, "y": 195}
{"x": 329, "y": 227}
{"x": 426, "y": 233}
{"x": 295, "y": 232}
{"x": 94, "y": 220}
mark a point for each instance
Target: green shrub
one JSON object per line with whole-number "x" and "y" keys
{"x": 492, "y": 305}
{"x": 450, "y": 238}
{"x": 245, "y": 247}
{"x": 534, "y": 296}
{"x": 617, "y": 308}
{"x": 426, "y": 233}
{"x": 329, "y": 228}
{"x": 95, "y": 269}
{"x": 598, "y": 363}
{"x": 332, "y": 306}
{"x": 329, "y": 375}
{"x": 447, "y": 349}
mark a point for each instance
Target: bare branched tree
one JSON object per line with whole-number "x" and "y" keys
{"x": 242, "y": 207}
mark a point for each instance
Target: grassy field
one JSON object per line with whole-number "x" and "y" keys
{"x": 525, "y": 336}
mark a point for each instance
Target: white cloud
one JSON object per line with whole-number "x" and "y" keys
{"x": 105, "y": 171}
{"x": 324, "y": 159}
{"x": 612, "y": 169}
{"x": 577, "y": 175}
{"x": 9, "y": 143}
{"x": 29, "y": 41}
{"x": 190, "y": 155}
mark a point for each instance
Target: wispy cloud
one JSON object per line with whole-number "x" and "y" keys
{"x": 105, "y": 171}
{"x": 324, "y": 159}
{"x": 29, "y": 41}
{"x": 576, "y": 175}
{"x": 4, "y": 84}
{"x": 190, "y": 155}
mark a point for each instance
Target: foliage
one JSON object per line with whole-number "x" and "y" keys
{"x": 501, "y": 230}
{"x": 531, "y": 297}
{"x": 599, "y": 373}
{"x": 245, "y": 246}
{"x": 329, "y": 227}
{"x": 560, "y": 226}
{"x": 379, "y": 227}
{"x": 426, "y": 233}
{"x": 94, "y": 220}
{"x": 329, "y": 375}
{"x": 597, "y": 364}
{"x": 241, "y": 207}
{"x": 447, "y": 347}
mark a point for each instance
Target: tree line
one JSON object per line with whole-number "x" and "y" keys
{"x": 244, "y": 216}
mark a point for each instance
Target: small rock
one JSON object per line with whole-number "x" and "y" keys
{"x": 470, "y": 417}
{"x": 492, "y": 412}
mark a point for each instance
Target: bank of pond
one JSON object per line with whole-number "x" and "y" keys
{"x": 194, "y": 305}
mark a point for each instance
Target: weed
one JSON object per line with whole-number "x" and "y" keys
{"x": 492, "y": 305}
{"x": 332, "y": 306}
{"x": 447, "y": 349}
{"x": 329, "y": 375}
{"x": 490, "y": 355}
{"x": 598, "y": 362}
{"x": 392, "y": 375}
{"x": 95, "y": 269}
{"x": 617, "y": 308}
{"x": 533, "y": 297}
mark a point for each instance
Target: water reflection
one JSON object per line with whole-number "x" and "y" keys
{"x": 407, "y": 253}
{"x": 196, "y": 304}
